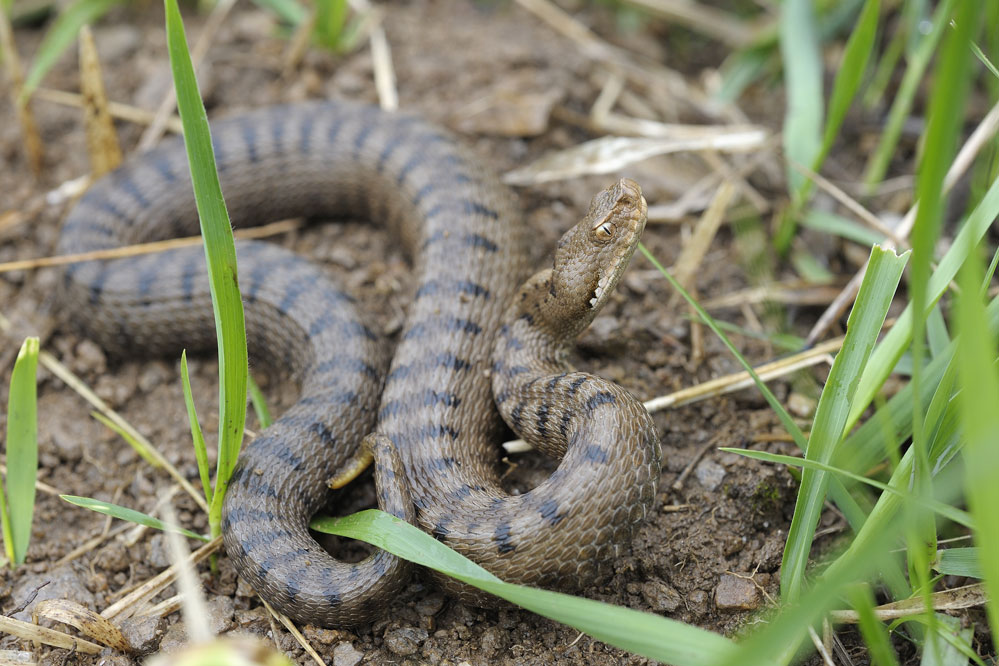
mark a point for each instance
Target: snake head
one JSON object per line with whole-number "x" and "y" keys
{"x": 592, "y": 256}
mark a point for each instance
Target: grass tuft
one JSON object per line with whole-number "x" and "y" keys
{"x": 220, "y": 255}
{"x": 17, "y": 500}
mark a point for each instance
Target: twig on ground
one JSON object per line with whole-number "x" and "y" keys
{"x": 263, "y": 231}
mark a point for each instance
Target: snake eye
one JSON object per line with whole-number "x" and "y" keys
{"x": 603, "y": 231}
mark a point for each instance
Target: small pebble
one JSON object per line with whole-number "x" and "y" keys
{"x": 735, "y": 593}
{"x": 152, "y": 376}
{"x": 90, "y": 359}
{"x": 143, "y": 633}
{"x": 157, "y": 555}
{"x": 430, "y": 605}
{"x": 344, "y": 654}
{"x": 220, "y": 611}
{"x": 493, "y": 641}
{"x": 800, "y": 405}
{"x": 660, "y": 596}
{"x": 405, "y": 640}
{"x": 709, "y": 474}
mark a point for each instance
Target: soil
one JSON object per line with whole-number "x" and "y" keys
{"x": 720, "y": 520}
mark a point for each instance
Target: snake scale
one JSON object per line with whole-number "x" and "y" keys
{"x": 432, "y": 404}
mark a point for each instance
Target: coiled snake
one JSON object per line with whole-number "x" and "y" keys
{"x": 433, "y": 410}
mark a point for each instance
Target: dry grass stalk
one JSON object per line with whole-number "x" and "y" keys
{"x": 129, "y": 605}
{"x": 794, "y": 294}
{"x": 192, "y": 600}
{"x": 41, "y": 486}
{"x": 293, "y": 630}
{"x": 16, "y": 658}
{"x": 66, "y": 375}
{"x": 381, "y": 57}
{"x": 704, "y": 233}
{"x": 944, "y": 600}
{"x": 163, "y": 608}
{"x": 32, "y": 632}
{"x": 29, "y": 129}
{"x": 851, "y": 204}
{"x": 725, "y": 171}
{"x": 729, "y": 383}
{"x": 155, "y": 130}
{"x": 821, "y": 647}
{"x": 132, "y": 114}
{"x": 612, "y": 153}
{"x": 609, "y": 94}
{"x": 740, "y": 380}
{"x": 698, "y": 197}
{"x": 102, "y": 141}
{"x": 299, "y": 43}
{"x": 263, "y": 231}
{"x": 704, "y": 19}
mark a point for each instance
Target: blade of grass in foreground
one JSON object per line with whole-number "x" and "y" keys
{"x": 888, "y": 352}
{"x": 868, "y": 315}
{"x": 22, "y": 453}
{"x": 220, "y": 253}
{"x": 877, "y": 164}
{"x": 947, "y": 511}
{"x": 642, "y": 633}
{"x": 799, "y": 48}
{"x": 197, "y": 437}
{"x": 978, "y": 399}
{"x": 874, "y": 632}
{"x": 131, "y": 515}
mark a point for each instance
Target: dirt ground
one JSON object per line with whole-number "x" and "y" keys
{"x": 716, "y": 536}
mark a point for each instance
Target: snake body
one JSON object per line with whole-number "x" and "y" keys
{"x": 433, "y": 408}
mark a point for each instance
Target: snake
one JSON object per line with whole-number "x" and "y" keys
{"x": 480, "y": 345}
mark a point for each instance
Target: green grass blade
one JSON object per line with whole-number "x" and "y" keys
{"x": 331, "y": 17}
{"x": 959, "y": 562}
{"x": 863, "y": 326}
{"x": 785, "y": 418}
{"x": 61, "y": 35}
{"x": 953, "y": 647}
{"x": 874, "y": 632}
{"x": 851, "y": 71}
{"x": 800, "y": 53}
{"x": 777, "y": 640}
{"x": 984, "y": 59}
{"x": 643, "y": 633}
{"x": 897, "y": 339}
{"x": 220, "y": 253}
{"x": 22, "y": 453}
{"x": 837, "y": 225}
{"x": 259, "y": 403}
{"x": 802, "y": 134}
{"x": 951, "y": 513}
{"x": 914, "y": 75}
{"x": 978, "y": 399}
{"x": 197, "y": 437}
{"x": 131, "y": 515}
{"x": 289, "y": 11}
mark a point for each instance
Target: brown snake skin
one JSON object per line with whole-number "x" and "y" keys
{"x": 436, "y": 454}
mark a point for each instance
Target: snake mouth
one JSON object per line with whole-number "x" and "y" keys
{"x": 628, "y": 213}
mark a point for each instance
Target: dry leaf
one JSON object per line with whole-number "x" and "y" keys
{"x": 85, "y": 620}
